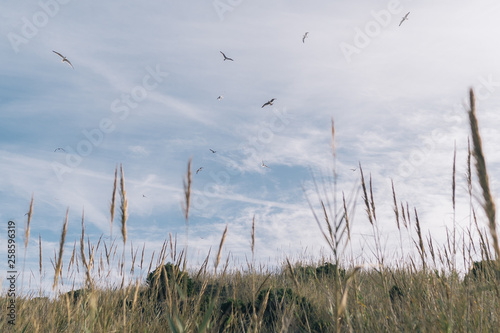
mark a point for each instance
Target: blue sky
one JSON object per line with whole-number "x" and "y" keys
{"x": 143, "y": 92}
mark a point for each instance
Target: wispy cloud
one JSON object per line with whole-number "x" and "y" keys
{"x": 397, "y": 107}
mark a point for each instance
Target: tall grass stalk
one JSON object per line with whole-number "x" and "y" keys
{"x": 469, "y": 181}
{"x": 421, "y": 248}
{"x": 453, "y": 187}
{"x": 186, "y": 205}
{"x": 40, "y": 265}
{"x": 219, "y": 253}
{"x": 334, "y": 171}
{"x": 27, "y": 237}
{"x": 396, "y": 213}
{"x": 372, "y": 217}
{"x": 342, "y": 307}
{"x": 88, "y": 279}
{"x": 113, "y": 202}
{"x": 28, "y": 223}
{"x": 482, "y": 174}
{"x": 123, "y": 207}
{"x": 58, "y": 268}
{"x": 252, "y": 246}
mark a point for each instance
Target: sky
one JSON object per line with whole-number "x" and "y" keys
{"x": 143, "y": 94}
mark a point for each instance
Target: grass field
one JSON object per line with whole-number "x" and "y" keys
{"x": 331, "y": 295}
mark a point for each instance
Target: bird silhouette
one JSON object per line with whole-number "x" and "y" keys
{"x": 269, "y": 102}
{"x": 61, "y": 149}
{"x": 64, "y": 59}
{"x": 220, "y": 98}
{"x": 264, "y": 165}
{"x": 225, "y": 58}
{"x": 213, "y": 151}
{"x": 201, "y": 168}
{"x": 305, "y": 36}
{"x": 404, "y": 18}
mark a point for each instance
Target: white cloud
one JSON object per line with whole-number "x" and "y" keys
{"x": 396, "y": 106}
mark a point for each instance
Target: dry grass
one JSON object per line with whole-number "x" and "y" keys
{"x": 28, "y": 223}
{"x": 58, "y": 268}
{"x": 482, "y": 174}
{"x": 113, "y": 202}
{"x": 421, "y": 293}
{"x": 123, "y": 206}
{"x": 219, "y": 253}
{"x": 86, "y": 265}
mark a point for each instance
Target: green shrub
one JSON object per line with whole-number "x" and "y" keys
{"x": 165, "y": 279}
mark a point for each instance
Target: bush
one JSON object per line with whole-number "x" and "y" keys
{"x": 485, "y": 271}
{"x": 328, "y": 270}
{"x": 165, "y": 278}
{"x": 304, "y": 313}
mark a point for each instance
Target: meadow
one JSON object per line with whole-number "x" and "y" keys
{"x": 421, "y": 293}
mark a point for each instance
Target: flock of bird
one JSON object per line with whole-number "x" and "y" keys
{"x": 64, "y": 59}
{"x": 219, "y": 98}
{"x": 270, "y": 102}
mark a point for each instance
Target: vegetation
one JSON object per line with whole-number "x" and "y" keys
{"x": 424, "y": 294}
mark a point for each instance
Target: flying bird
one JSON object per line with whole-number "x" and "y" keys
{"x": 353, "y": 170}
{"x": 225, "y": 58}
{"x": 220, "y": 97}
{"x": 213, "y": 151}
{"x": 269, "y": 102}
{"x": 64, "y": 59}
{"x": 305, "y": 36}
{"x": 201, "y": 168}
{"x": 61, "y": 149}
{"x": 264, "y": 165}
{"x": 404, "y": 18}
